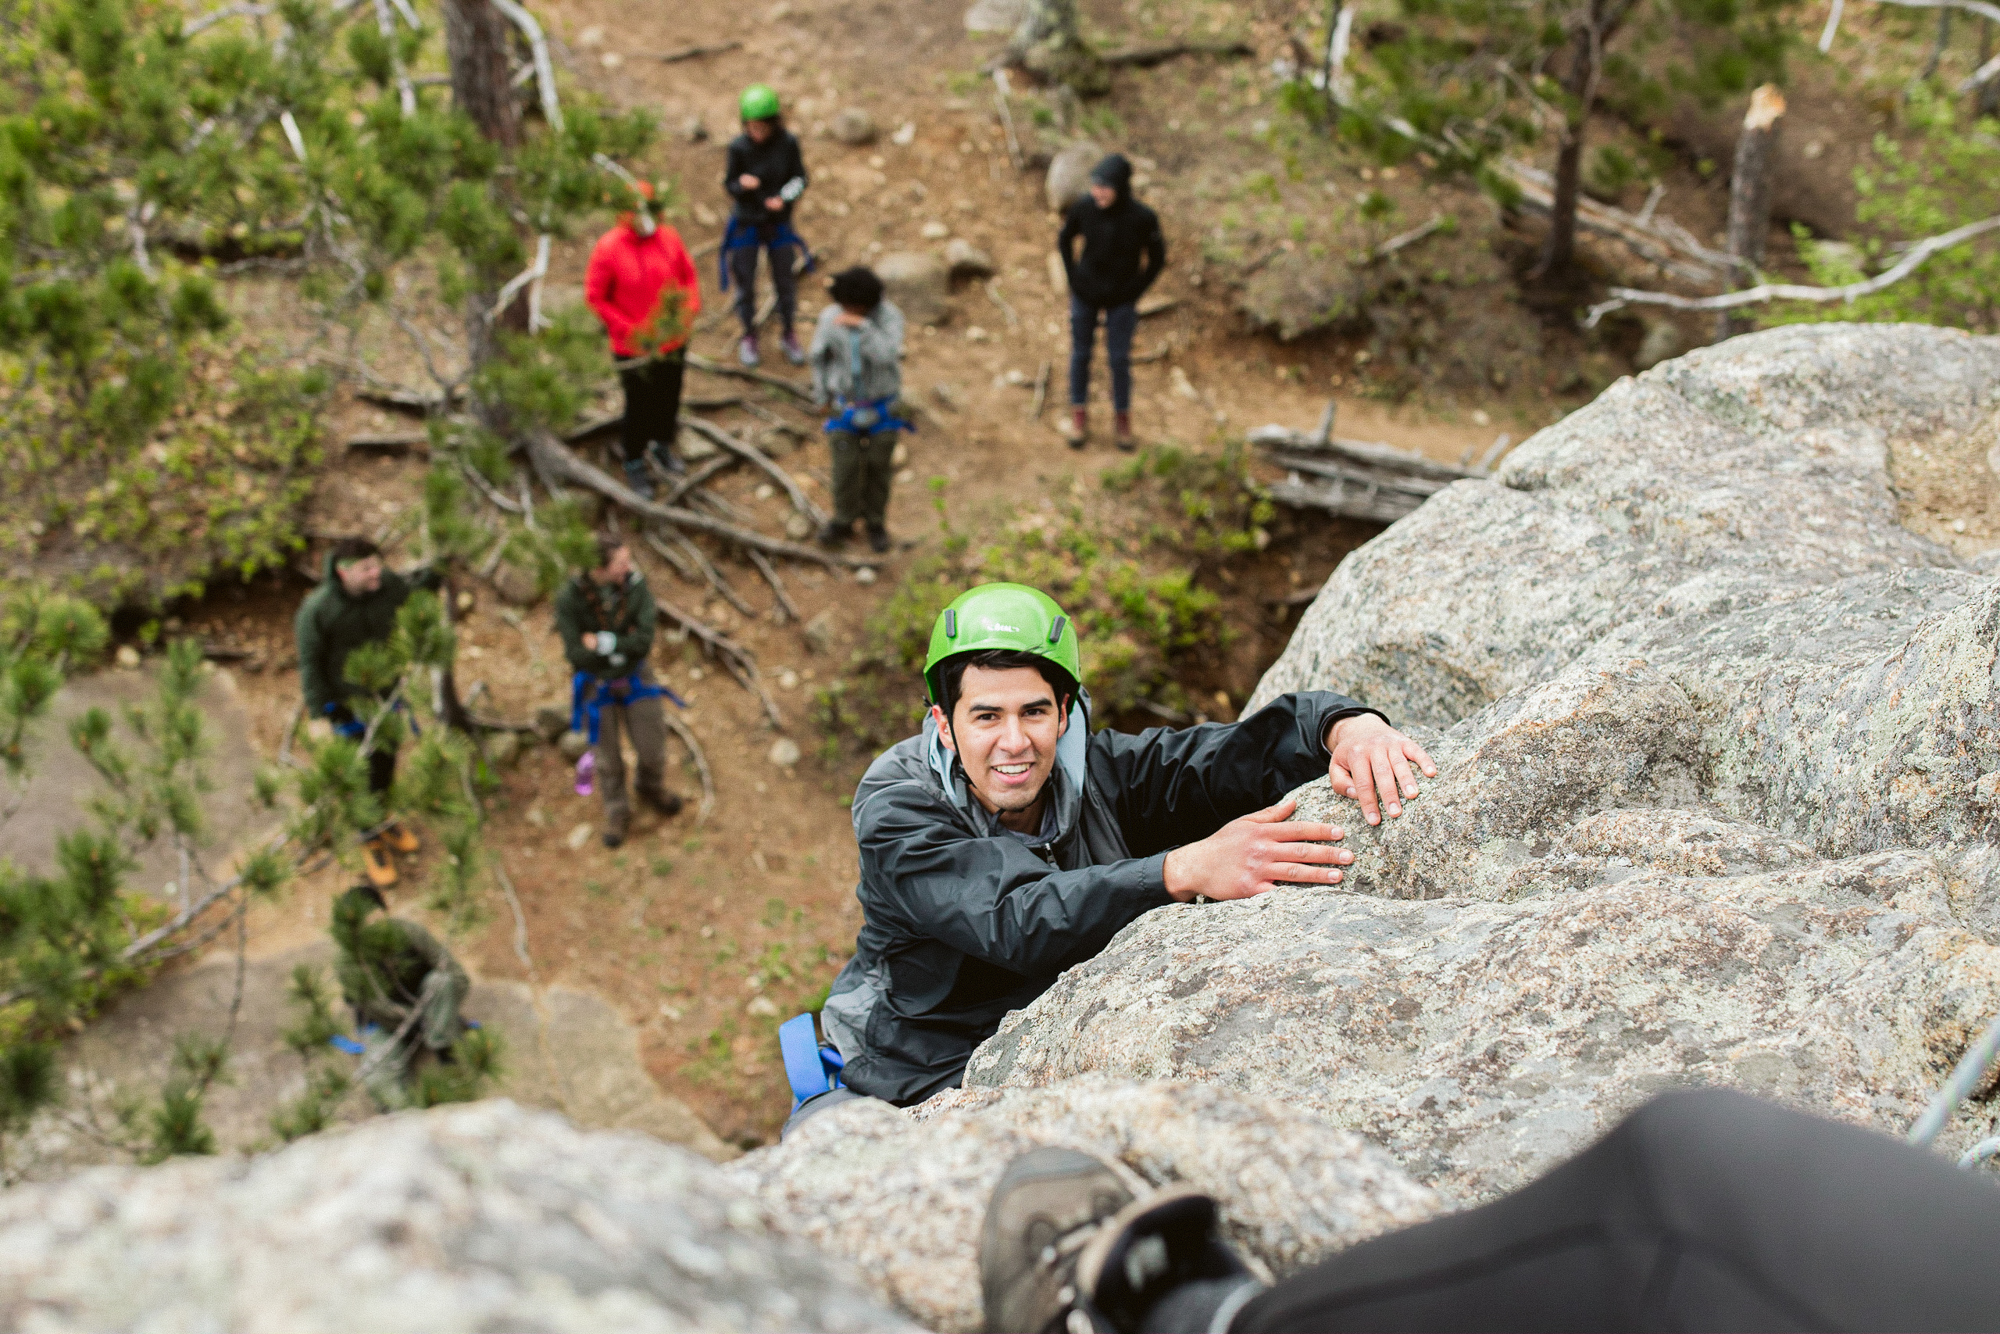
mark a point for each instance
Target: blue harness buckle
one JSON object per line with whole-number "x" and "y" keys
{"x": 811, "y": 1068}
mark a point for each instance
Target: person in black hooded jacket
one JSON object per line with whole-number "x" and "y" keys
{"x": 1122, "y": 253}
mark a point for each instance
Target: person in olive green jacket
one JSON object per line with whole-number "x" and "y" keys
{"x": 355, "y": 604}
{"x": 390, "y": 970}
{"x": 606, "y": 616}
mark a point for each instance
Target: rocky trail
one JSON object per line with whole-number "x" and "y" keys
{"x": 1717, "y": 745}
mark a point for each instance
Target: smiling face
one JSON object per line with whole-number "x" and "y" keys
{"x": 1004, "y": 727}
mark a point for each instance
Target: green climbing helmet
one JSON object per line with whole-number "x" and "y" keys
{"x": 1001, "y": 616}
{"x": 759, "y": 102}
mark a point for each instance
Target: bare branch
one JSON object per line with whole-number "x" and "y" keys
{"x": 686, "y": 734}
{"x": 770, "y": 572}
{"x": 749, "y": 453}
{"x": 792, "y": 387}
{"x": 1910, "y": 263}
{"x": 545, "y": 70}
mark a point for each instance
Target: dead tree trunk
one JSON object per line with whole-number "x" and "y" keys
{"x": 1750, "y": 195}
{"x": 1581, "y": 85}
{"x": 1988, "y": 103}
{"x": 1049, "y": 45}
{"x": 477, "y": 40}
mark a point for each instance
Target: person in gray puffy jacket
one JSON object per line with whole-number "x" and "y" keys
{"x": 857, "y": 370}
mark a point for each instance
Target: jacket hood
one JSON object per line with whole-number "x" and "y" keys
{"x": 1115, "y": 172}
{"x": 1068, "y": 774}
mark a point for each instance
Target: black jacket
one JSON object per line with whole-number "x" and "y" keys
{"x": 774, "y": 162}
{"x": 964, "y": 921}
{"x": 1123, "y": 250}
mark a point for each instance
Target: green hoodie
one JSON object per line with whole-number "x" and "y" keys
{"x": 584, "y": 607}
{"x": 331, "y": 625}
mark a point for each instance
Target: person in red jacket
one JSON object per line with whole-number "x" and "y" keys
{"x": 642, "y": 284}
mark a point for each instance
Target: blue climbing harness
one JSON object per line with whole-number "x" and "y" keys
{"x": 354, "y": 729}
{"x": 870, "y": 418}
{"x": 811, "y": 1066}
{"x": 622, "y": 691}
{"x": 744, "y": 234}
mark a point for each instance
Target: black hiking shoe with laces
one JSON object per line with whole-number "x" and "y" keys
{"x": 1049, "y": 1203}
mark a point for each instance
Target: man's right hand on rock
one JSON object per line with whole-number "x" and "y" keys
{"x": 1255, "y": 853}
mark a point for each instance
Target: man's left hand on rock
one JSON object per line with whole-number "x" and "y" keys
{"x": 1371, "y": 759}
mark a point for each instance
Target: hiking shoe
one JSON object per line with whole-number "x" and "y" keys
{"x": 1121, "y": 432}
{"x": 638, "y": 478}
{"x": 1168, "y": 1242}
{"x": 378, "y": 864}
{"x": 1049, "y": 1204}
{"x": 833, "y": 533}
{"x": 793, "y": 352}
{"x": 1077, "y": 429}
{"x": 400, "y": 837}
{"x": 616, "y": 823}
{"x": 668, "y": 461}
{"x": 746, "y": 351}
{"x": 878, "y": 537}
{"x": 662, "y": 799}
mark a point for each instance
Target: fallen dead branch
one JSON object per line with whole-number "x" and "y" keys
{"x": 697, "y": 52}
{"x": 695, "y": 752}
{"x": 792, "y": 387}
{"x": 1356, "y": 479}
{"x": 1406, "y": 239}
{"x": 1001, "y": 92}
{"x": 1041, "y": 392}
{"x": 1147, "y": 55}
{"x": 786, "y": 607}
{"x": 749, "y": 453}
{"x": 699, "y": 474}
{"x": 703, "y": 569}
{"x": 1660, "y": 241}
{"x": 737, "y": 660}
{"x": 394, "y": 444}
{"x": 554, "y": 460}
{"x": 1911, "y": 261}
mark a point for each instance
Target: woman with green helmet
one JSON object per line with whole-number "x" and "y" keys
{"x": 765, "y": 176}
{"x": 1007, "y": 841}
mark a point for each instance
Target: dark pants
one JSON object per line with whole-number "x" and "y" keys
{"x": 1120, "y": 323}
{"x": 862, "y": 470}
{"x": 1704, "y": 1210}
{"x": 381, "y": 770}
{"x": 652, "y": 404}
{"x": 743, "y": 273}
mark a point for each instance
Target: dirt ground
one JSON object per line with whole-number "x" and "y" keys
{"x": 703, "y": 936}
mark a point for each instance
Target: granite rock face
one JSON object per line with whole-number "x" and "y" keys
{"x": 902, "y": 1197}
{"x": 473, "y": 1218}
{"x": 1719, "y": 753}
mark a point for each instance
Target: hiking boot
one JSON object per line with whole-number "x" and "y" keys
{"x": 878, "y": 537}
{"x": 834, "y": 533}
{"x": 1121, "y": 432}
{"x": 662, "y": 799}
{"x": 400, "y": 837}
{"x": 638, "y": 478}
{"x": 1050, "y": 1202}
{"x": 615, "y": 826}
{"x": 746, "y": 350}
{"x": 667, "y": 461}
{"x": 793, "y": 352}
{"x": 1077, "y": 429}
{"x": 379, "y": 865}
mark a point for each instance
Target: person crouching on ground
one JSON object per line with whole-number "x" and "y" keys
{"x": 765, "y": 175}
{"x": 1123, "y": 252}
{"x": 642, "y": 284}
{"x": 1007, "y": 841}
{"x": 394, "y": 973}
{"x": 857, "y": 369}
{"x": 355, "y": 604}
{"x": 605, "y": 616}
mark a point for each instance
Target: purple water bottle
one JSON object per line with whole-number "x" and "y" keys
{"x": 586, "y": 769}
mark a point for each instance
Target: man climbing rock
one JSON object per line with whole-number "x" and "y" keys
{"x": 765, "y": 175}
{"x": 857, "y": 370}
{"x": 1007, "y": 842}
{"x": 1122, "y": 253}
{"x": 395, "y": 975}
{"x": 356, "y": 604}
{"x": 642, "y": 285}
{"x": 605, "y": 616}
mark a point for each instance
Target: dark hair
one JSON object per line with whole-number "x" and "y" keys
{"x": 777, "y": 122}
{"x": 353, "y": 549}
{"x": 857, "y": 288}
{"x": 1001, "y": 660}
{"x": 603, "y": 548}
{"x": 368, "y": 894}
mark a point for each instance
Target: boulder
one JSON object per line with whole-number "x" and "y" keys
{"x": 517, "y": 587}
{"x": 1663, "y": 341}
{"x": 966, "y": 260}
{"x": 853, "y": 126}
{"x": 552, "y": 720}
{"x": 471, "y": 1218}
{"x": 1069, "y": 174}
{"x": 995, "y": 15}
{"x": 902, "y": 1197}
{"x": 1717, "y": 740}
{"x": 918, "y": 283}
{"x": 571, "y": 745}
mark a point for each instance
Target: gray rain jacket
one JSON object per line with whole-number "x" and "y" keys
{"x": 857, "y": 365}
{"x": 964, "y": 921}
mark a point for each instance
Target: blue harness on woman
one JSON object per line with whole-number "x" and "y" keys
{"x": 586, "y": 703}
{"x": 743, "y": 234}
